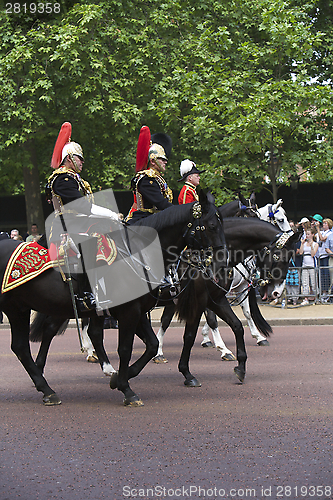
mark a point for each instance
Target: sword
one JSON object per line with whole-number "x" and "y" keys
{"x": 70, "y": 283}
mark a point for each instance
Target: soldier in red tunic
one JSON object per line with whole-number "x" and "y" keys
{"x": 191, "y": 176}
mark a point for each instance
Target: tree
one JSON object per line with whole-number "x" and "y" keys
{"x": 246, "y": 99}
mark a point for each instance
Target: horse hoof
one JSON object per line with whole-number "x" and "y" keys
{"x": 114, "y": 380}
{"x": 263, "y": 342}
{"x": 92, "y": 359}
{"x": 51, "y": 400}
{"x": 192, "y": 383}
{"x": 239, "y": 374}
{"x": 160, "y": 359}
{"x": 207, "y": 344}
{"x": 228, "y": 357}
{"x": 133, "y": 401}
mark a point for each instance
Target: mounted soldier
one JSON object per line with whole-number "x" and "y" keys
{"x": 150, "y": 190}
{"x": 74, "y": 211}
{"x": 191, "y": 176}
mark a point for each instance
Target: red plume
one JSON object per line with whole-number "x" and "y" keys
{"x": 64, "y": 136}
{"x": 142, "y": 149}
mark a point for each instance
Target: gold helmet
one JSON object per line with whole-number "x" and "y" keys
{"x": 71, "y": 148}
{"x": 156, "y": 151}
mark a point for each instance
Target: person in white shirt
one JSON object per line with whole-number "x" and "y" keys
{"x": 308, "y": 249}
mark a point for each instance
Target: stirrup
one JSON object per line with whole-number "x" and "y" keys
{"x": 86, "y": 303}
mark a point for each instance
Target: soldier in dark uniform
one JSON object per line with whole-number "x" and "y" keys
{"x": 65, "y": 185}
{"x": 151, "y": 192}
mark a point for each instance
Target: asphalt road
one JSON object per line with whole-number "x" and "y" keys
{"x": 270, "y": 437}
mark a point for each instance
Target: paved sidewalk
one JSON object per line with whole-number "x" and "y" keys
{"x": 315, "y": 314}
{"x": 276, "y": 316}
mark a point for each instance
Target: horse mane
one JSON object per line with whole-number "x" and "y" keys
{"x": 168, "y": 217}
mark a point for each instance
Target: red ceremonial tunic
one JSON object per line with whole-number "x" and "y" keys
{"x": 188, "y": 194}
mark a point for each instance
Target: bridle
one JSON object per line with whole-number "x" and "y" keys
{"x": 243, "y": 209}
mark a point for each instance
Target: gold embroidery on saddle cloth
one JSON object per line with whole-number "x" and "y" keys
{"x": 26, "y": 262}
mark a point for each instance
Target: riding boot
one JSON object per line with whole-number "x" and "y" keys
{"x": 85, "y": 299}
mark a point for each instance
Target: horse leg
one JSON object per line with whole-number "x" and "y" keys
{"x": 261, "y": 340}
{"x": 96, "y": 335}
{"x": 225, "y": 312}
{"x": 50, "y": 328}
{"x": 226, "y": 354}
{"x": 206, "y": 342}
{"x": 20, "y": 326}
{"x": 145, "y": 332}
{"x": 190, "y": 334}
{"x": 127, "y": 324}
{"x": 86, "y": 342}
{"x": 166, "y": 318}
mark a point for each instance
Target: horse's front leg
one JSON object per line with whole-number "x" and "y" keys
{"x": 20, "y": 327}
{"x": 127, "y": 323}
{"x": 96, "y": 335}
{"x": 145, "y": 332}
{"x": 225, "y": 312}
{"x": 190, "y": 334}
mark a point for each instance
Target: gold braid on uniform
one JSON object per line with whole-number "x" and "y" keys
{"x": 165, "y": 190}
{"x": 84, "y": 186}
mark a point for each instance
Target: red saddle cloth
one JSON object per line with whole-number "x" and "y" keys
{"x": 31, "y": 259}
{"x": 26, "y": 262}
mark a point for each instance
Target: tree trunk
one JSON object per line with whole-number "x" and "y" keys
{"x": 33, "y": 200}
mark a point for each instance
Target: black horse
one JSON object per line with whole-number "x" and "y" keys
{"x": 196, "y": 225}
{"x": 245, "y": 237}
{"x": 201, "y": 290}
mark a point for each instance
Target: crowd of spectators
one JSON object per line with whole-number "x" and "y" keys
{"x": 310, "y": 274}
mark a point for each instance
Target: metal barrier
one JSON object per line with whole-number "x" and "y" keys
{"x": 314, "y": 284}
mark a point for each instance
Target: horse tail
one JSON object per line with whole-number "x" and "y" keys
{"x": 187, "y": 303}
{"x": 260, "y": 322}
{"x": 41, "y": 322}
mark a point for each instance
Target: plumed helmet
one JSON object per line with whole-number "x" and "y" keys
{"x": 71, "y": 148}
{"x": 64, "y": 146}
{"x": 156, "y": 151}
{"x": 161, "y": 146}
{"x": 188, "y": 167}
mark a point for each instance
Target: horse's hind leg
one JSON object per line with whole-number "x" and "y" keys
{"x": 50, "y": 328}
{"x": 20, "y": 326}
{"x": 86, "y": 342}
{"x": 166, "y": 318}
{"x": 145, "y": 332}
{"x": 226, "y": 354}
{"x": 96, "y": 334}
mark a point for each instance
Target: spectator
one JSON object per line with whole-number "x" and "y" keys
{"x": 308, "y": 249}
{"x": 292, "y": 283}
{"x": 329, "y": 250}
{"x": 322, "y": 257}
{"x": 34, "y": 235}
{"x": 14, "y": 233}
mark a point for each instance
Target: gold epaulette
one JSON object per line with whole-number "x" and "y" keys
{"x": 83, "y": 185}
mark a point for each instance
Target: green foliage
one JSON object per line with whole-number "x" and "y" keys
{"x": 232, "y": 83}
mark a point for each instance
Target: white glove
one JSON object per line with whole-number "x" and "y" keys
{"x": 104, "y": 212}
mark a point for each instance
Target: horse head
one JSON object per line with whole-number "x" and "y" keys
{"x": 276, "y": 215}
{"x": 247, "y": 207}
{"x": 273, "y": 263}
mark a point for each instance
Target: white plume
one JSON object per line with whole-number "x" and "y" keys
{"x": 186, "y": 166}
